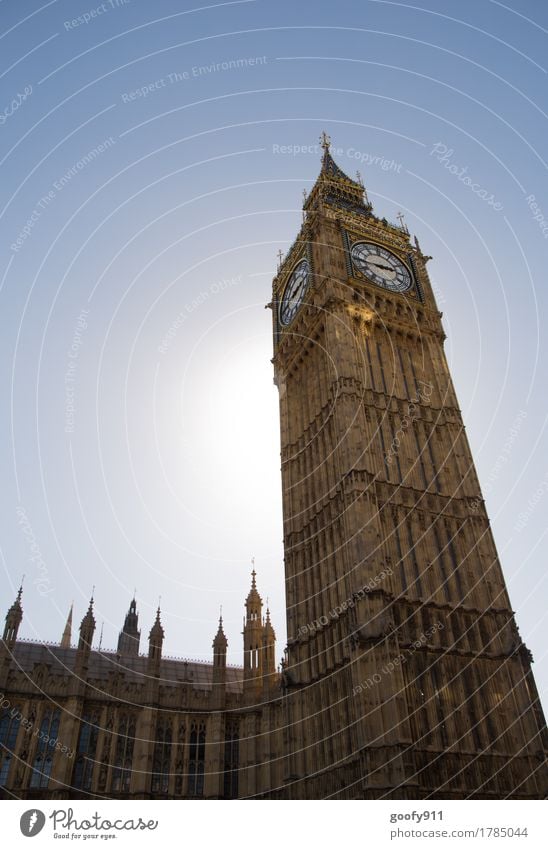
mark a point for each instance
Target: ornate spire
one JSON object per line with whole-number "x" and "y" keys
{"x": 220, "y": 636}
{"x": 14, "y": 618}
{"x": 267, "y": 623}
{"x": 253, "y": 597}
{"x": 67, "y": 633}
{"x": 89, "y": 617}
{"x": 220, "y": 644}
{"x": 268, "y": 643}
{"x": 325, "y": 141}
{"x": 129, "y": 638}
{"x": 156, "y": 632}
{"x": 87, "y": 628}
{"x": 334, "y": 187}
{"x": 155, "y": 642}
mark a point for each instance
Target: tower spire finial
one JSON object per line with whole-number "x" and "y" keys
{"x": 325, "y": 141}
{"x": 220, "y": 632}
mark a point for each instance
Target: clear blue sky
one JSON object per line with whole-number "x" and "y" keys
{"x": 145, "y": 194}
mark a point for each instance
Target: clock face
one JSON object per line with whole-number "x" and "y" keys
{"x": 294, "y": 292}
{"x": 381, "y": 266}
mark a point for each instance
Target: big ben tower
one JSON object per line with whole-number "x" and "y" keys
{"x": 405, "y": 674}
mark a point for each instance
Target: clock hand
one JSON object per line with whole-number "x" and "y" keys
{"x": 380, "y": 265}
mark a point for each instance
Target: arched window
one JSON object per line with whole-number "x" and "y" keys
{"x": 231, "y": 758}
{"x": 9, "y": 726}
{"x": 82, "y": 775}
{"x": 196, "y": 762}
{"x": 123, "y": 759}
{"x": 161, "y": 760}
{"x": 45, "y": 747}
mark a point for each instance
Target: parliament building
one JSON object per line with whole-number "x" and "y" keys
{"x": 404, "y": 675}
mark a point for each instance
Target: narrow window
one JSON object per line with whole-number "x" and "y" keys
{"x": 161, "y": 760}
{"x": 9, "y": 726}
{"x": 85, "y": 751}
{"x": 121, "y": 775}
{"x": 231, "y": 759}
{"x": 43, "y": 757}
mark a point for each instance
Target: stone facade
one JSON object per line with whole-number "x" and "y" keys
{"x": 79, "y": 723}
{"x": 404, "y": 675}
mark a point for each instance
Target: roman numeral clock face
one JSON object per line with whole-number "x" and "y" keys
{"x": 381, "y": 267}
{"x": 294, "y": 292}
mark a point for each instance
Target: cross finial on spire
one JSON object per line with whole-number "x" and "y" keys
{"x": 325, "y": 141}
{"x": 401, "y": 219}
{"x": 280, "y": 257}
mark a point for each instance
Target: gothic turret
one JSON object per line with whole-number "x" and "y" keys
{"x": 14, "y": 617}
{"x": 269, "y": 653}
{"x": 334, "y": 187}
{"x": 67, "y": 632}
{"x": 128, "y": 641}
{"x": 253, "y": 639}
{"x": 220, "y": 644}
{"x": 87, "y": 630}
{"x": 155, "y": 642}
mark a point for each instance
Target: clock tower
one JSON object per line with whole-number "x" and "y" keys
{"x": 405, "y": 675}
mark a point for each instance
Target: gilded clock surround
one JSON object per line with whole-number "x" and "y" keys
{"x": 379, "y": 268}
